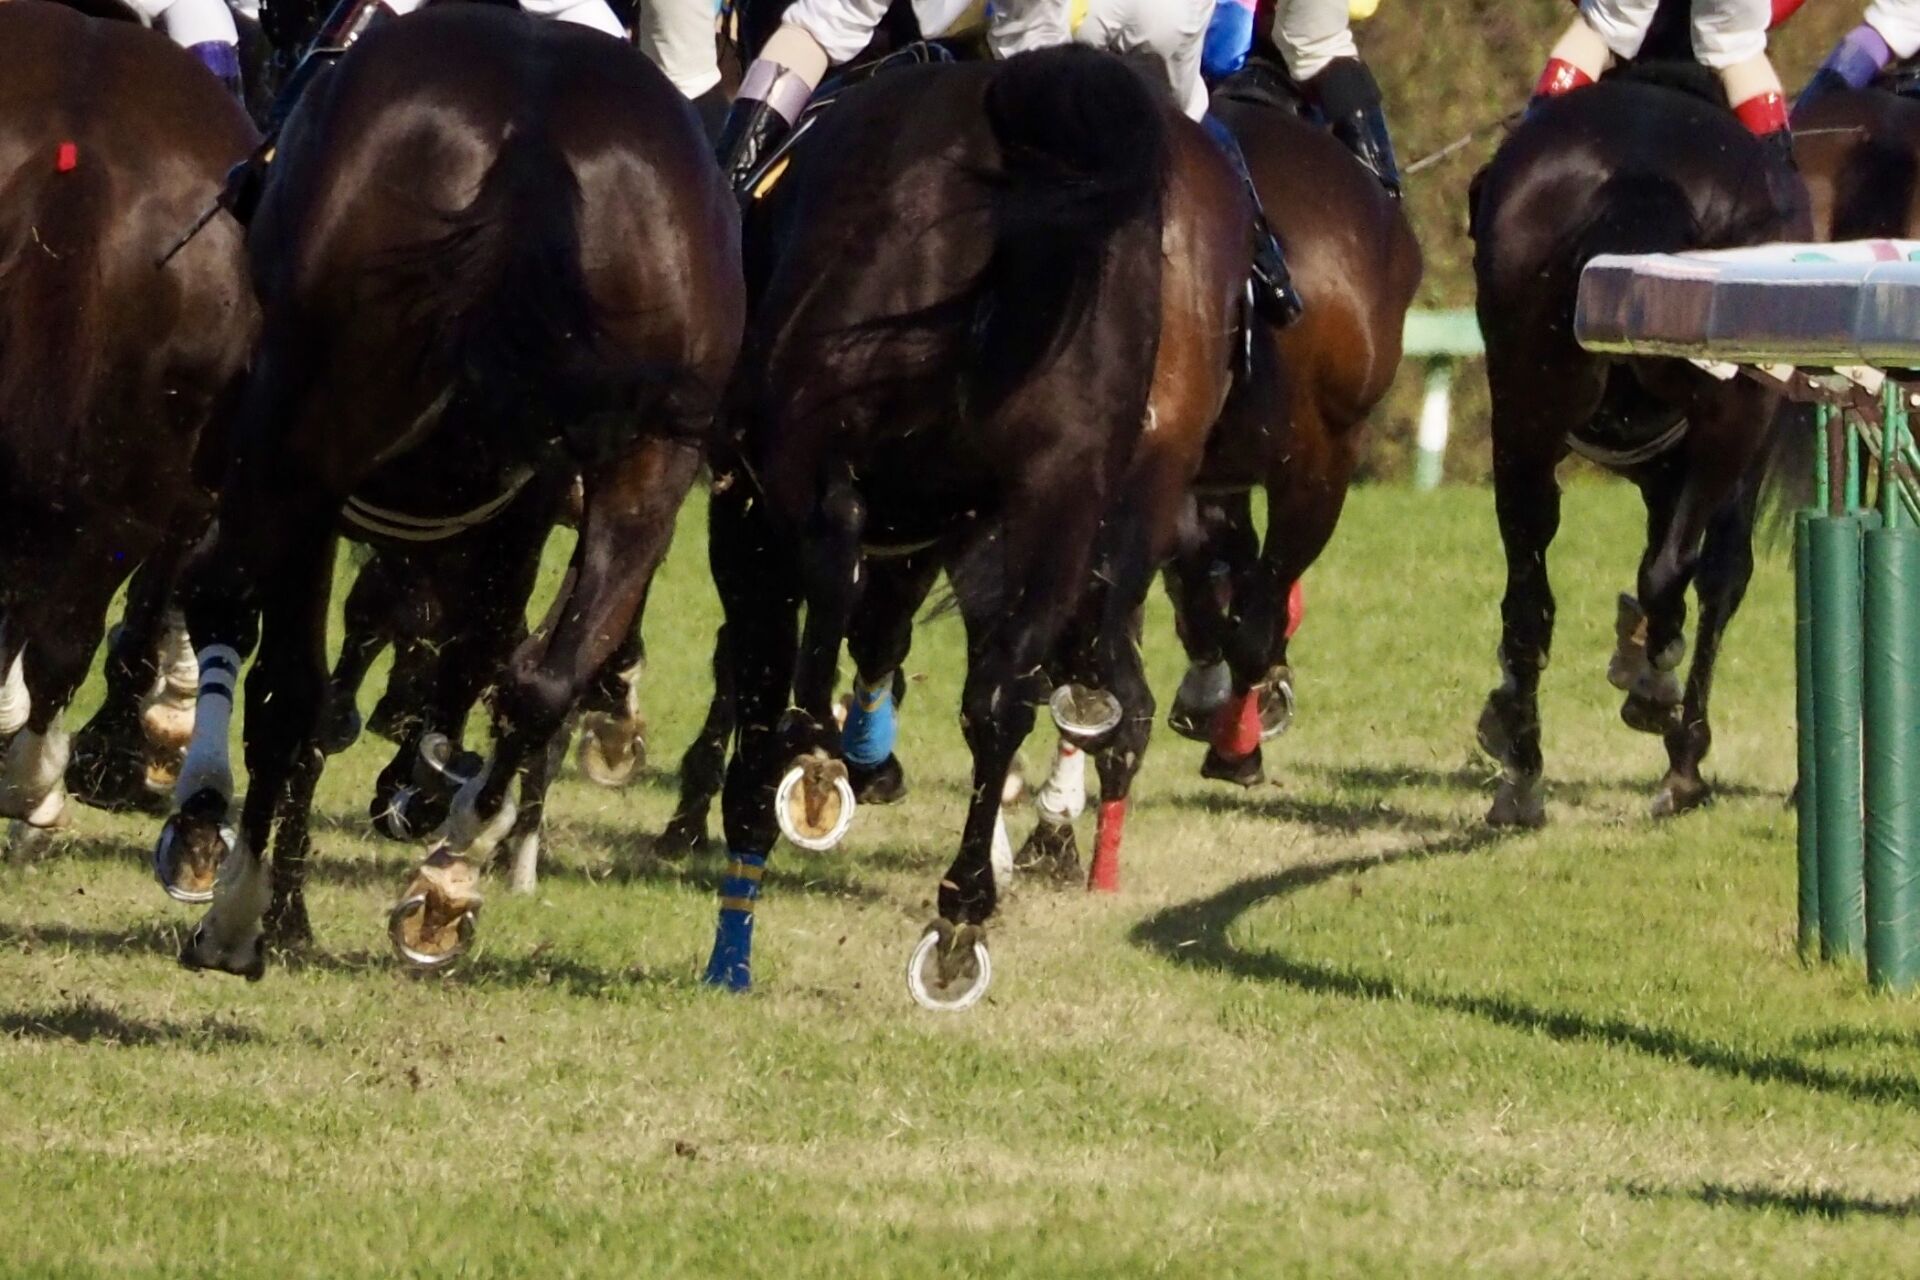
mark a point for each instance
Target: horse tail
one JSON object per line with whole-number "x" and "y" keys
{"x": 1084, "y": 151}
{"x": 51, "y": 309}
{"x": 504, "y": 294}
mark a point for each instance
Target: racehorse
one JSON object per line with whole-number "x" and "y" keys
{"x": 1638, "y": 163}
{"x": 1012, "y": 378}
{"x": 1294, "y": 423}
{"x": 1860, "y": 152}
{"x": 113, "y": 371}
{"x": 494, "y": 253}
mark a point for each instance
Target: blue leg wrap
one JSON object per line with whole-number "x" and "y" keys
{"x": 871, "y": 725}
{"x": 731, "y": 965}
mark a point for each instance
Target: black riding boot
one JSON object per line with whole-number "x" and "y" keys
{"x": 771, "y": 99}
{"x": 349, "y": 20}
{"x": 1350, "y": 99}
{"x": 1274, "y": 296}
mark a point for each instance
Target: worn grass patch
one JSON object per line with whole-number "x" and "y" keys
{"x": 1331, "y": 1026}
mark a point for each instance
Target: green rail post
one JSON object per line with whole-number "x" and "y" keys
{"x": 1807, "y": 793}
{"x": 1891, "y": 561}
{"x": 1833, "y": 556}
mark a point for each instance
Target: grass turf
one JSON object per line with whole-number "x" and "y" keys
{"x": 1332, "y": 1026}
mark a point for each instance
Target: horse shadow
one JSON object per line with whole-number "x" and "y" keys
{"x": 86, "y": 1021}
{"x": 1195, "y": 935}
{"x": 1806, "y": 1202}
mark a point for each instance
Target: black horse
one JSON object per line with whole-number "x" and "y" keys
{"x": 113, "y": 373}
{"x": 1643, "y": 162}
{"x": 1012, "y": 377}
{"x": 494, "y": 253}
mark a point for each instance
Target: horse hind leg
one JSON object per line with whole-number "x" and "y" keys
{"x": 1527, "y": 500}
{"x": 113, "y": 754}
{"x": 612, "y": 731}
{"x": 879, "y": 636}
{"x": 1726, "y": 566}
{"x": 703, "y": 767}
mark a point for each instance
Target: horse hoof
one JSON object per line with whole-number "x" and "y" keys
{"x": 104, "y": 777}
{"x": 611, "y": 749}
{"x": 341, "y": 728}
{"x": 187, "y": 857}
{"x": 407, "y": 814}
{"x": 1678, "y": 794}
{"x": 1244, "y": 772}
{"x": 1084, "y": 713}
{"x": 814, "y": 804}
{"x": 684, "y": 834}
{"x": 1051, "y": 852}
{"x": 883, "y": 783}
{"x": 1491, "y": 732}
{"x": 1276, "y": 704}
{"x": 1202, "y": 692}
{"x": 1518, "y": 804}
{"x": 1650, "y": 714}
{"x": 248, "y": 960}
{"x": 421, "y": 941}
{"x": 26, "y": 841}
{"x": 950, "y": 968}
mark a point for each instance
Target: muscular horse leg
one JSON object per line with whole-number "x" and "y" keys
{"x": 757, "y": 572}
{"x": 879, "y": 637}
{"x": 287, "y": 692}
{"x": 109, "y": 765}
{"x": 367, "y": 626}
{"x": 1725, "y": 566}
{"x": 613, "y": 734}
{"x": 1198, "y": 583}
{"x": 1527, "y": 502}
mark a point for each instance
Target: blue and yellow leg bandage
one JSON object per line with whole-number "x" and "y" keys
{"x": 731, "y": 965}
{"x": 871, "y": 727}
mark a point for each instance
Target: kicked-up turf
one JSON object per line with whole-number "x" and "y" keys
{"x": 1332, "y": 1026}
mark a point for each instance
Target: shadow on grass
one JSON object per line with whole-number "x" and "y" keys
{"x": 1807, "y": 1202}
{"x": 1479, "y": 779}
{"x": 85, "y": 1022}
{"x": 1196, "y": 935}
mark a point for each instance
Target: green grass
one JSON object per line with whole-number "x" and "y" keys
{"x": 1330, "y": 1027}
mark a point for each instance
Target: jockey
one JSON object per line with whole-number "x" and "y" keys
{"x": 350, "y": 20}
{"x": 204, "y": 28}
{"x": 1891, "y": 30}
{"x": 1729, "y": 37}
{"x": 818, "y": 34}
{"x": 1316, "y": 43}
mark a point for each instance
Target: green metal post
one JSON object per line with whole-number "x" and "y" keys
{"x": 1834, "y": 563}
{"x": 1807, "y": 794}
{"x": 1891, "y": 558}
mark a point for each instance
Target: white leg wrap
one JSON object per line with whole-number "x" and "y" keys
{"x": 525, "y": 874}
{"x": 1002, "y": 852}
{"x": 179, "y": 669}
{"x": 466, "y": 832}
{"x": 14, "y": 700}
{"x": 33, "y": 788}
{"x": 1064, "y": 798}
{"x": 208, "y": 764}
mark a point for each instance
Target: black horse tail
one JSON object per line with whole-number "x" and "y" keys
{"x": 1084, "y": 146}
{"x": 51, "y": 282}
{"x": 503, "y": 295}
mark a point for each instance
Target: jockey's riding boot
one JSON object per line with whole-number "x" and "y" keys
{"x": 1350, "y": 99}
{"x": 711, "y": 107}
{"x": 221, "y": 58}
{"x": 770, "y": 101}
{"x": 1274, "y": 296}
{"x": 349, "y": 20}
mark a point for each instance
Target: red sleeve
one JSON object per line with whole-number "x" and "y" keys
{"x": 1784, "y": 9}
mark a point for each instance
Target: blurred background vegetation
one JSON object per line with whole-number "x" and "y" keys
{"x": 1451, "y": 66}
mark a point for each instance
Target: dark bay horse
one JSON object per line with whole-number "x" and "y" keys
{"x": 499, "y": 249}
{"x": 1860, "y": 152}
{"x": 1294, "y": 425}
{"x": 113, "y": 372}
{"x": 1625, "y": 166}
{"x": 992, "y": 329}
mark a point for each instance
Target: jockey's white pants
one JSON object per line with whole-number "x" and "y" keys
{"x": 1725, "y": 32}
{"x": 1312, "y": 33}
{"x": 190, "y": 22}
{"x": 1898, "y": 22}
{"x": 1173, "y": 29}
{"x": 588, "y": 13}
{"x": 678, "y": 35}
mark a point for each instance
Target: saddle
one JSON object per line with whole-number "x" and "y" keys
{"x": 1263, "y": 82}
{"x": 1901, "y": 79}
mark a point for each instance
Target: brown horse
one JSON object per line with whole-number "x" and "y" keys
{"x": 111, "y": 369}
{"x": 1626, "y": 166}
{"x": 494, "y": 253}
{"x": 1294, "y": 425}
{"x": 1860, "y": 152}
{"x": 1012, "y": 377}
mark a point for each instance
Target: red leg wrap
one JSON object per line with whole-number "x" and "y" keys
{"x": 1104, "y": 875}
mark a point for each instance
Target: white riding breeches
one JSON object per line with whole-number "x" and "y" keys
{"x": 1898, "y": 22}
{"x": 1311, "y": 34}
{"x": 190, "y": 22}
{"x": 1725, "y": 32}
{"x": 678, "y": 36}
{"x": 587, "y": 13}
{"x": 1175, "y": 30}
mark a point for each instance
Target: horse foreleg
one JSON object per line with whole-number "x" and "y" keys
{"x": 109, "y": 766}
{"x": 703, "y": 767}
{"x": 366, "y": 624}
{"x": 1527, "y": 502}
{"x": 1199, "y": 583}
{"x": 878, "y": 640}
